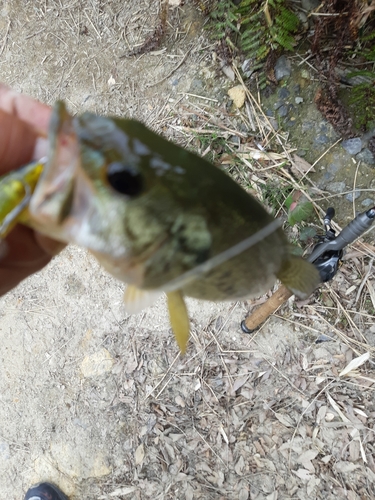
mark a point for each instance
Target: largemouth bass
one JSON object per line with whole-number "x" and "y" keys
{"x": 159, "y": 217}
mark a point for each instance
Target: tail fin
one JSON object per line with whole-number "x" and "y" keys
{"x": 300, "y": 276}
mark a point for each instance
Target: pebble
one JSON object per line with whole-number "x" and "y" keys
{"x": 283, "y": 110}
{"x": 307, "y": 126}
{"x": 350, "y": 196}
{"x": 283, "y": 93}
{"x": 352, "y": 146}
{"x": 238, "y": 95}
{"x": 291, "y": 122}
{"x": 310, "y": 4}
{"x": 282, "y": 68}
{"x": 321, "y": 139}
{"x": 323, "y": 338}
{"x": 298, "y": 100}
{"x": 246, "y": 68}
{"x": 336, "y": 187}
{"x": 366, "y": 156}
{"x": 332, "y": 168}
{"x": 367, "y": 202}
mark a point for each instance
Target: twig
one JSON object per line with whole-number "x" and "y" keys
{"x": 173, "y": 70}
{"x": 361, "y": 286}
{"x": 354, "y": 184}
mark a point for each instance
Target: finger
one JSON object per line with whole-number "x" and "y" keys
{"x": 24, "y": 250}
{"x": 26, "y": 108}
{"x": 52, "y": 247}
{"x": 23, "y": 258}
{"x": 17, "y": 142}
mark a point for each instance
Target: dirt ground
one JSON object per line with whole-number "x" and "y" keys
{"x": 100, "y": 402}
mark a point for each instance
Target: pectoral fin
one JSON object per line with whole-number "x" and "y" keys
{"x": 179, "y": 319}
{"x": 136, "y": 300}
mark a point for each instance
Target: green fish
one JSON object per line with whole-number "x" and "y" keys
{"x": 159, "y": 217}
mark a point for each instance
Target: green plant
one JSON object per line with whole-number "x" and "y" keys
{"x": 258, "y": 27}
{"x": 362, "y": 95}
{"x": 299, "y": 209}
{"x": 224, "y": 19}
{"x": 274, "y": 195}
{"x": 267, "y": 25}
{"x": 362, "y": 98}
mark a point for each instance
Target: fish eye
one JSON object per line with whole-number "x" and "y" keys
{"x": 124, "y": 178}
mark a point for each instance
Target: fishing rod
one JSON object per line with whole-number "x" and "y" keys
{"x": 326, "y": 256}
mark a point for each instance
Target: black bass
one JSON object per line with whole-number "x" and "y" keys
{"x": 159, "y": 217}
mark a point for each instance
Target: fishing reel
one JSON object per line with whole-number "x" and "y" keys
{"x": 326, "y": 257}
{"x": 328, "y": 252}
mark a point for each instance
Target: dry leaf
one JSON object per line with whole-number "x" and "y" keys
{"x": 238, "y": 383}
{"x": 139, "y": 454}
{"x": 300, "y": 167}
{"x": 308, "y": 455}
{"x": 336, "y": 407}
{"x": 303, "y": 474}
{"x": 239, "y": 466}
{"x": 345, "y": 467}
{"x": 355, "y": 363}
{"x": 180, "y": 401}
{"x": 284, "y": 419}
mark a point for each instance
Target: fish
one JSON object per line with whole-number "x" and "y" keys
{"x": 159, "y": 217}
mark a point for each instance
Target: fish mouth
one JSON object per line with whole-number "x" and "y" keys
{"x": 52, "y": 198}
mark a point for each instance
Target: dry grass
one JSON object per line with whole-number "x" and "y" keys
{"x": 267, "y": 417}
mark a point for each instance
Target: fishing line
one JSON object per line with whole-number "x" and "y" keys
{"x": 222, "y": 257}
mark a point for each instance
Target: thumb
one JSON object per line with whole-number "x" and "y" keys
{"x": 51, "y": 247}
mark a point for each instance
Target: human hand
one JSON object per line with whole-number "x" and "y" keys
{"x": 23, "y": 125}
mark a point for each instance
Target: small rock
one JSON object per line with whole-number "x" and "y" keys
{"x": 228, "y": 71}
{"x": 310, "y": 4}
{"x": 283, "y": 110}
{"x": 321, "y": 139}
{"x": 336, "y": 187}
{"x": 352, "y": 146}
{"x": 291, "y": 122}
{"x": 367, "y": 202}
{"x": 238, "y": 95}
{"x": 298, "y": 100}
{"x": 274, "y": 123}
{"x": 301, "y": 152}
{"x": 332, "y": 168}
{"x": 350, "y": 197}
{"x": 97, "y": 364}
{"x": 246, "y": 68}
{"x": 323, "y": 338}
{"x": 305, "y": 74}
{"x": 283, "y": 93}
{"x": 278, "y": 104}
{"x": 366, "y": 156}
{"x": 282, "y": 68}
{"x": 307, "y": 126}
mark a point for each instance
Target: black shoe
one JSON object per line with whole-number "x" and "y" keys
{"x": 45, "y": 491}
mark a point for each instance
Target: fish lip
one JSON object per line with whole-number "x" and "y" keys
{"x": 58, "y": 174}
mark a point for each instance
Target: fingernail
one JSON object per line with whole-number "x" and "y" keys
{"x": 3, "y": 249}
{"x": 41, "y": 148}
